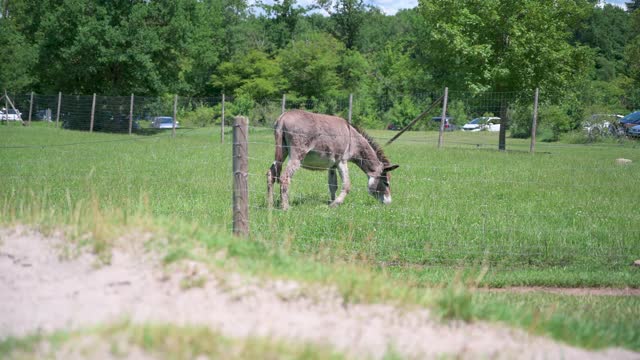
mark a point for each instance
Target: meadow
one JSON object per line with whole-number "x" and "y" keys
{"x": 563, "y": 216}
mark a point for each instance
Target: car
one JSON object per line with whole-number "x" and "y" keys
{"x": 600, "y": 124}
{"x": 163, "y": 122}
{"x": 630, "y": 120}
{"x": 448, "y": 122}
{"x": 44, "y": 115}
{"x": 634, "y": 131}
{"x": 488, "y": 123}
{"x": 11, "y": 115}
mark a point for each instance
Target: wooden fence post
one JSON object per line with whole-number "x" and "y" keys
{"x": 284, "y": 103}
{"x": 131, "y": 115}
{"x": 240, "y": 174}
{"x": 93, "y": 112}
{"x": 443, "y": 119}
{"x": 6, "y": 106}
{"x": 222, "y": 122}
{"x": 58, "y": 112}
{"x": 350, "y": 106}
{"x": 30, "y": 108}
{"x": 175, "y": 113}
{"x": 423, "y": 114}
{"x": 534, "y": 124}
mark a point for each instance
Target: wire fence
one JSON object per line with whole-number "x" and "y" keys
{"x": 446, "y": 210}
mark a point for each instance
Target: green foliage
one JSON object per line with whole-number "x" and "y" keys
{"x": 553, "y": 120}
{"x": 490, "y": 45}
{"x": 607, "y": 31}
{"x": 16, "y": 70}
{"x": 253, "y": 74}
{"x": 520, "y": 118}
{"x": 199, "y": 117}
{"x": 241, "y": 105}
{"x": 457, "y": 111}
{"x": 310, "y": 64}
{"x": 581, "y": 56}
{"x": 402, "y": 112}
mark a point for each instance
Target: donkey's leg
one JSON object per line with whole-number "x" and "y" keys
{"x": 343, "y": 170}
{"x": 333, "y": 183}
{"x": 292, "y": 166}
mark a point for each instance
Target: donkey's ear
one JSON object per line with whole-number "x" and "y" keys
{"x": 390, "y": 168}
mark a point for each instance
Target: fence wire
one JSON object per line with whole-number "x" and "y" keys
{"x": 421, "y": 228}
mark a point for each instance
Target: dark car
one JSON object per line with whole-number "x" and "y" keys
{"x": 448, "y": 122}
{"x": 630, "y": 120}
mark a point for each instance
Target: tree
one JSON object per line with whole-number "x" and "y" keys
{"x": 631, "y": 55}
{"x": 284, "y": 16}
{"x": 503, "y": 45}
{"x": 632, "y": 6}
{"x": 607, "y": 30}
{"x": 310, "y": 64}
{"x": 16, "y": 65}
{"x": 253, "y": 74}
{"x": 348, "y": 16}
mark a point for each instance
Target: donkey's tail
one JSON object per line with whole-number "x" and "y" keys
{"x": 276, "y": 168}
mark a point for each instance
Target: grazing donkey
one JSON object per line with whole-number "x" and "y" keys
{"x": 324, "y": 142}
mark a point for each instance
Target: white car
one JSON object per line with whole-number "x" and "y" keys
{"x": 163, "y": 122}
{"x": 11, "y": 115}
{"x": 602, "y": 124}
{"x": 487, "y": 123}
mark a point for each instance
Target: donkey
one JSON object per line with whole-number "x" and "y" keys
{"x": 324, "y": 142}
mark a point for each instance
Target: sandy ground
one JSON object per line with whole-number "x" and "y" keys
{"x": 40, "y": 293}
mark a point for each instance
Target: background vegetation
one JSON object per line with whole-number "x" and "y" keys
{"x": 581, "y": 54}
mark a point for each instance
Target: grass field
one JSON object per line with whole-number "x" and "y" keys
{"x": 565, "y": 216}
{"x": 567, "y": 212}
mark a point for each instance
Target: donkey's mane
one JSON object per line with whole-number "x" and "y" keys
{"x": 379, "y": 153}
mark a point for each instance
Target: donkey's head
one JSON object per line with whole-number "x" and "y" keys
{"x": 380, "y": 185}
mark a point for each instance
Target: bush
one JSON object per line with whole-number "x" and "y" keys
{"x": 576, "y": 137}
{"x": 553, "y": 120}
{"x": 520, "y": 117}
{"x": 401, "y": 113}
{"x": 457, "y": 111}
{"x": 200, "y": 117}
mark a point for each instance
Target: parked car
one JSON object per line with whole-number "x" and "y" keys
{"x": 448, "y": 122}
{"x": 630, "y": 120}
{"x": 44, "y": 115}
{"x": 487, "y": 123}
{"x": 163, "y": 122}
{"x": 600, "y": 124}
{"x": 10, "y": 115}
{"x": 634, "y": 131}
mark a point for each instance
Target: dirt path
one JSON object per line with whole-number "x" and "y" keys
{"x": 38, "y": 292}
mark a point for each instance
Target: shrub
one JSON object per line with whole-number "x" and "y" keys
{"x": 200, "y": 117}
{"x": 520, "y": 120}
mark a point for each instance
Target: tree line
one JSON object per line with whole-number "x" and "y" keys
{"x": 582, "y": 54}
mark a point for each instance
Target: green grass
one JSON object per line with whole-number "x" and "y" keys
{"x": 562, "y": 217}
{"x": 161, "y": 341}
